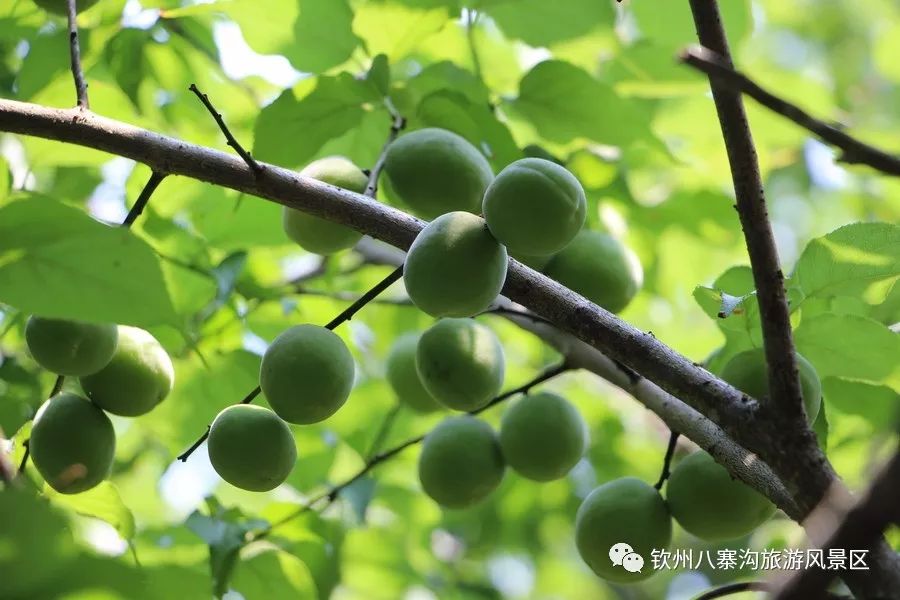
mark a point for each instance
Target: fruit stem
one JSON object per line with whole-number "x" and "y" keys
{"x": 667, "y": 461}
{"x": 75, "y": 56}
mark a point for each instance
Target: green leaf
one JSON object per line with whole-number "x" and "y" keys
{"x": 266, "y": 572}
{"x": 731, "y": 301}
{"x": 312, "y": 34}
{"x": 224, "y": 533}
{"x": 848, "y": 346}
{"x": 878, "y": 404}
{"x": 292, "y": 129}
{"x": 541, "y": 23}
{"x": 565, "y": 103}
{"x": 101, "y": 502}
{"x": 476, "y": 123}
{"x": 390, "y": 28}
{"x": 125, "y": 55}
{"x": 379, "y": 74}
{"x": 58, "y": 262}
{"x": 849, "y": 260}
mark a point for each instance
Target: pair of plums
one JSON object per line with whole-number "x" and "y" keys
{"x": 121, "y": 370}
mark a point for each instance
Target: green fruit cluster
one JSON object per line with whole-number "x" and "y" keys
{"x": 122, "y": 370}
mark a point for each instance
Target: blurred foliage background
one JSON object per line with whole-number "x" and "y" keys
{"x": 594, "y": 83}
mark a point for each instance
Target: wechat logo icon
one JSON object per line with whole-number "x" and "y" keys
{"x": 623, "y": 555}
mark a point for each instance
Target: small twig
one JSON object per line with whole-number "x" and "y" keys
{"x": 398, "y": 123}
{"x": 667, "y": 461}
{"x": 733, "y": 588}
{"x": 75, "y": 55}
{"x": 345, "y": 315}
{"x": 352, "y": 296}
{"x": 251, "y": 162}
{"x": 860, "y": 528}
{"x": 57, "y": 385}
{"x": 333, "y": 492}
{"x": 854, "y": 150}
{"x": 506, "y": 311}
{"x": 354, "y": 308}
{"x": 155, "y": 179}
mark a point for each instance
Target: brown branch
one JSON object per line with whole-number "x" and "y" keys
{"x": 641, "y": 352}
{"x": 75, "y": 56}
{"x": 667, "y": 460}
{"x": 398, "y": 123}
{"x": 155, "y": 179}
{"x": 853, "y": 150}
{"x": 784, "y": 383}
{"x": 251, "y": 162}
{"x": 334, "y": 491}
{"x": 860, "y": 528}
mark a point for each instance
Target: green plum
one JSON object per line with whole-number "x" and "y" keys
{"x": 435, "y": 171}
{"x": 72, "y": 443}
{"x": 600, "y": 268}
{"x": 749, "y": 372}
{"x": 534, "y": 206}
{"x": 315, "y": 234}
{"x": 404, "y": 378}
{"x": 708, "y": 503}
{"x": 139, "y": 376}
{"x": 542, "y": 436}
{"x": 70, "y": 348}
{"x": 251, "y": 448}
{"x": 460, "y": 363}
{"x": 622, "y": 511}
{"x": 461, "y": 462}
{"x": 306, "y": 374}
{"x": 455, "y": 267}
{"x": 58, "y": 7}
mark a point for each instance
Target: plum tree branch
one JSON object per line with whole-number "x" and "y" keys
{"x": 75, "y": 56}
{"x": 725, "y": 406}
{"x": 853, "y": 150}
{"x": 155, "y": 179}
{"x": 667, "y": 460}
{"x": 334, "y": 491}
{"x": 784, "y": 383}
{"x": 251, "y": 162}
{"x": 862, "y": 525}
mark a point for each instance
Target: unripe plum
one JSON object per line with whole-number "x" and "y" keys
{"x": 460, "y": 463}
{"x": 534, "y": 206}
{"x": 306, "y": 374}
{"x": 749, "y": 372}
{"x": 139, "y": 376}
{"x": 435, "y": 171}
{"x": 708, "y": 503}
{"x": 542, "y": 436}
{"x": 622, "y": 511}
{"x": 455, "y": 267}
{"x": 600, "y": 268}
{"x": 251, "y": 448}
{"x": 72, "y": 443}
{"x": 315, "y": 234}
{"x": 70, "y": 348}
{"x": 404, "y": 378}
{"x": 460, "y": 363}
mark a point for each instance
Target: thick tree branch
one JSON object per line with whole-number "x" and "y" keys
{"x": 862, "y": 526}
{"x": 75, "y": 56}
{"x": 573, "y": 313}
{"x": 784, "y": 383}
{"x": 853, "y": 150}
